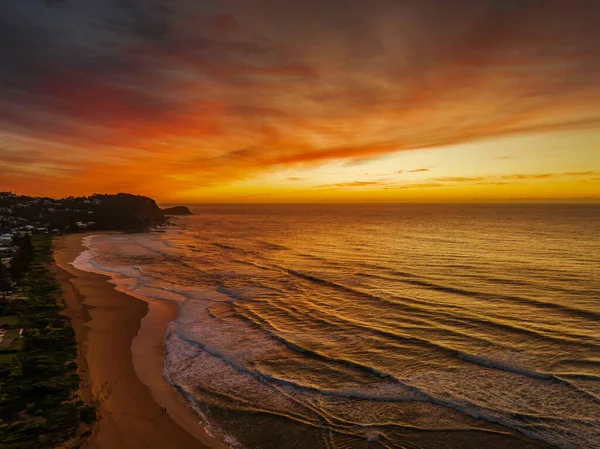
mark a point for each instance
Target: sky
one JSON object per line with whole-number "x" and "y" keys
{"x": 302, "y": 101}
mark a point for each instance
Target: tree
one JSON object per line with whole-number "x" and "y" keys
{"x": 5, "y": 282}
{"x": 22, "y": 259}
{"x": 25, "y": 249}
{"x": 18, "y": 267}
{"x": 5, "y": 286}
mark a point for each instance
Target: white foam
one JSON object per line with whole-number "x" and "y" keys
{"x": 506, "y": 397}
{"x": 211, "y": 347}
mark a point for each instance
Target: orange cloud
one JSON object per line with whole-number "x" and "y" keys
{"x": 162, "y": 102}
{"x": 445, "y": 181}
{"x": 514, "y": 177}
{"x": 352, "y": 184}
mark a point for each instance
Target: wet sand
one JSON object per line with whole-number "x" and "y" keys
{"x": 120, "y": 340}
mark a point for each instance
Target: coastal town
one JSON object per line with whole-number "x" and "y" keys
{"x": 22, "y": 217}
{"x": 39, "y": 380}
{"x": 41, "y": 215}
{"x": 38, "y": 377}
{"x": 12, "y": 269}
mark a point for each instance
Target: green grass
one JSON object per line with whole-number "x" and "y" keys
{"x": 40, "y": 381}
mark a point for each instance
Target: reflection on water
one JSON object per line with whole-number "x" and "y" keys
{"x": 379, "y": 326}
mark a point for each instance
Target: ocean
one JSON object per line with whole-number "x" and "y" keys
{"x": 378, "y": 326}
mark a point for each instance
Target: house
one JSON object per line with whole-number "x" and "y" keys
{"x": 8, "y": 251}
{"x": 81, "y": 225}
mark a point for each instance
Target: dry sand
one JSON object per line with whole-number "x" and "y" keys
{"x": 120, "y": 340}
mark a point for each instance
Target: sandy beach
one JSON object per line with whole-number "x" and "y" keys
{"x": 120, "y": 340}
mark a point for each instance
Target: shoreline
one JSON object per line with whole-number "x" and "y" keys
{"x": 120, "y": 358}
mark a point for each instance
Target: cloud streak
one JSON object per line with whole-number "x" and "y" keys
{"x": 444, "y": 181}
{"x": 155, "y": 95}
{"x": 515, "y": 177}
{"x": 352, "y": 184}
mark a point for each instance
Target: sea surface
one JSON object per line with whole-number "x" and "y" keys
{"x": 378, "y": 326}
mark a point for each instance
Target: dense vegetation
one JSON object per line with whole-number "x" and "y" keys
{"x": 125, "y": 212}
{"x": 38, "y": 391}
{"x": 6, "y": 285}
{"x": 122, "y": 211}
{"x": 19, "y": 265}
{"x": 21, "y": 260}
